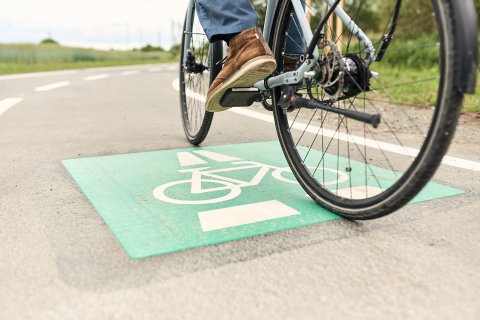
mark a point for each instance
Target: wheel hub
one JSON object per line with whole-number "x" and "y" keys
{"x": 342, "y": 76}
{"x": 192, "y": 66}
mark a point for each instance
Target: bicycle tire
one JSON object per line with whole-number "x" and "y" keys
{"x": 413, "y": 173}
{"x": 194, "y": 85}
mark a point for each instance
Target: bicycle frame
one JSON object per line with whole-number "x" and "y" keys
{"x": 296, "y": 76}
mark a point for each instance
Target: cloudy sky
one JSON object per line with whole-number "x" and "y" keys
{"x": 102, "y": 24}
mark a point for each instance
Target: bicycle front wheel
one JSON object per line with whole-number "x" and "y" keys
{"x": 199, "y": 65}
{"x": 410, "y": 88}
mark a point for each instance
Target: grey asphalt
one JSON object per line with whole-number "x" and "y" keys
{"x": 60, "y": 261}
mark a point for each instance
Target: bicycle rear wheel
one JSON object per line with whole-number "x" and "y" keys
{"x": 198, "y": 68}
{"x": 387, "y": 166}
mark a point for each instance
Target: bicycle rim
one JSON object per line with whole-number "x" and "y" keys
{"x": 419, "y": 108}
{"x": 196, "y": 75}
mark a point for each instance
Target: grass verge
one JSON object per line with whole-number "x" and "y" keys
{"x": 416, "y": 86}
{"x": 22, "y": 58}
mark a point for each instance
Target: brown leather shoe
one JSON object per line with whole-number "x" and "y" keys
{"x": 290, "y": 62}
{"x": 249, "y": 60}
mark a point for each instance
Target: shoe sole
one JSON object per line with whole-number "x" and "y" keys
{"x": 250, "y": 73}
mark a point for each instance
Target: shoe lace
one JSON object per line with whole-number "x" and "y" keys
{"x": 223, "y": 60}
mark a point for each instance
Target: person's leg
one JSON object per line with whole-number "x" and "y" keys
{"x": 249, "y": 58}
{"x": 296, "y": 45}
{"x": 223, "y": 19}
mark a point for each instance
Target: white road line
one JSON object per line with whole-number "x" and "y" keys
{"x": 155, "y": 69}
{"x": 69, "y": 72}
{"x": 7, "y": 103}
{"x": 171, "y": 68}
{"x": 189, "y": 159}
{"x": 190, "y": 93}
{"x": 390, "y": 147}
{"x": 97, "y": 77}
{"x": 38, "y": 74}
{"x": 52, "y": 86}
{"x": 176, "y": 84}
{"x": 245, "y": 214}
{"x": 129, "y": 72}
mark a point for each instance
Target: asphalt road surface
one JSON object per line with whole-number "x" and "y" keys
{"x": 59, "y": 260}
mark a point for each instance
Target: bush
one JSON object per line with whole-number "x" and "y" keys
{"x": 421, "y": 52}
{"x": 49, "y": 41}
{"x": 150, "y": 48}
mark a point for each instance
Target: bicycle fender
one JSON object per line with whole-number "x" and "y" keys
{"x": 465, "y": 39}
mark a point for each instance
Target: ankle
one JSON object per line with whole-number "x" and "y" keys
{"x": 225, "y": 37}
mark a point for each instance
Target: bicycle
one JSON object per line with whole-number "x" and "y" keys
{"x": 205, "y": 175}
{"x": 346, "y": 102}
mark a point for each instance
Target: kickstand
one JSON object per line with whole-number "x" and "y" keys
{"x": 287, "y": 93}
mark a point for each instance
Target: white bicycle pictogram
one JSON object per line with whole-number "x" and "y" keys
{"x": 202, "y": 175}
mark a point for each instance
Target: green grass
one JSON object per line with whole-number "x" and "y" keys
{"x": 21, "y": 58}
{"x": 472, "y": 102}
{"x": 407, "y": 85}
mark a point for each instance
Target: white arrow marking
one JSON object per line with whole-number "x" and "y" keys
{"x": 189, "y": 159}
{"x": 216, "y": 156}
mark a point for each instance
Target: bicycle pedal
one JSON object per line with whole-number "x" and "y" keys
{"x": 240, "y": 97}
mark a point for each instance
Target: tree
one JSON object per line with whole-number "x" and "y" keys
{"x": 49, "y": 41}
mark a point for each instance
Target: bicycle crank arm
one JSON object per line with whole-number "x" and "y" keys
{"x": 373, "y": 119}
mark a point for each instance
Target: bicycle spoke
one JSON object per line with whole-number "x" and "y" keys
{"x": 402, "y": 89}
{"x": 195, "y": 79}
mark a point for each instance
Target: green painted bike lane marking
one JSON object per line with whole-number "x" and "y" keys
{"x": 152, "y": 206}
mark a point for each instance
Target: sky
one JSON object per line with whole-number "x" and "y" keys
{"x": 100, "y": 24}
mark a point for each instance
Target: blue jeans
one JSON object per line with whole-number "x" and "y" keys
{"x": 222, "y": 19}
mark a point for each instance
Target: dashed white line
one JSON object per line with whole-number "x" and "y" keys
{"x": 69, "y": 72}
{"x": 38, "y": 74}
{"x": 448, "y": 160}
{"x": 7, "y": 103}
{"x": 52, "y": 86}
{"x": 97, "y": 77}
{"x": 130, "y": 72}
